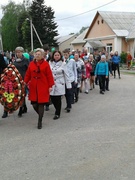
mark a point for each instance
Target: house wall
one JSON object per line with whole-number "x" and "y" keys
{"x": 118, "y": 44}
{"x": 78, "y": 46}
{"x": 99, "y": 29}
{"x": 66, "y": 44}
{"x": 131, "y": 47}
{"x": 124, "y": 45}
{"x": 108, "y": 41}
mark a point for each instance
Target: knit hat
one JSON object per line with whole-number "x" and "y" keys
{"x": 103, "y": 57}
{"x": 86, "y": 58}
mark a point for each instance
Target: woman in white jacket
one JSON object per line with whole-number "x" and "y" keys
{"x": 61, "y": 78}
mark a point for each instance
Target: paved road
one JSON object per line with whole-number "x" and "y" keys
{"x": 96, "y": 141}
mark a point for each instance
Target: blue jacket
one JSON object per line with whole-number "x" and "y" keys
{"x": 116, "y": 59}
{"x": 101, "y": 68}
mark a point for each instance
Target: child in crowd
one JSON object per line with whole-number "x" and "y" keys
{"x": 102, "y": 73}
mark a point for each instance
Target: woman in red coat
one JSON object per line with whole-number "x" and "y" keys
{"x": 40, "y": 79}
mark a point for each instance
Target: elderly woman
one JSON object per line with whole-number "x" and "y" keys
{"x": 21, "y": 63}
{"x": 40, "y": 79}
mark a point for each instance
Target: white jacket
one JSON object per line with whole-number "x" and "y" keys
{"x": 61, "y": 78}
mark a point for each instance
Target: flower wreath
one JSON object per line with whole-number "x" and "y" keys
{"x": 12, "y": 89}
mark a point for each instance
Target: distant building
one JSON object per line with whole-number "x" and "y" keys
{"x": 64, "y": 42}
{"x": 79, "y": 42}
{"x": 113, "y": 30}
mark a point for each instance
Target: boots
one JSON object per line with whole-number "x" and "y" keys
{"x": 39, "y": 126}
{"x": 24, "y": 109}
{"x": 5, "y": 114}
{"x": 20, "y": 112}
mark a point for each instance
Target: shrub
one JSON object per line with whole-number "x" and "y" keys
{"x": 123, "y": 57}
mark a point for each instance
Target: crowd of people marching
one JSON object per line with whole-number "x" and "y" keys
{"x": 49, "y": 76}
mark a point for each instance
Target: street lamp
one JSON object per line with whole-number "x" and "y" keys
{"x": 31, "y": 31}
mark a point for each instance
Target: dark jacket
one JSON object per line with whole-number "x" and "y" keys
{"x": 2, "y": 63}
{"x": 22, "y": 66}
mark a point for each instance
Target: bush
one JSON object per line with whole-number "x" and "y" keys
{"x": 123, "y": 57}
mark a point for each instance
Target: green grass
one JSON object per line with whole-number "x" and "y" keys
{"x": 128, "y": 72}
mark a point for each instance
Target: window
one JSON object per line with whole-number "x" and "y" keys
{"x": 98, "y": 21}
{"x": 109, "y": 48}
{"x": 102, "y": 21}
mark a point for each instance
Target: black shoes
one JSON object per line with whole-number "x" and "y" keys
{"x": 47, "y": 108}
{"x": 56, "y": 117}
{"x": 5, "y": 114}
{"x": 39, "y": 126}
{"x": 101, "y": 92}
{"x": 24, "y": 109}
{"x": 20, "y": 112}
{"x": 67, "y": 109}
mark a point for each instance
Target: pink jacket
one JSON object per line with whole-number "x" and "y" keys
{"x": 88, "y": 69}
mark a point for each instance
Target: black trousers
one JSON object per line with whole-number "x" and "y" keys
{"x": 76, "y": 92}
{"x": 107, "y": 83}
{"x": 116, "y": 67}
{"x": 101, "y": 82}
{"x": 57, "y": 102}
{"x": 70, "y": 95}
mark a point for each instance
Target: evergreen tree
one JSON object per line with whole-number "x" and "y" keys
{"x": 24, "y": 30}
{"x": 43, "y": 21}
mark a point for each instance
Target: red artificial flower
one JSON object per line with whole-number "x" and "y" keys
{"x": 16, "y": 92}
{"x": 9, "y": 73}
{"x": 15, "y": 99}
{"x": 15, "y": 85}
{"x": 9, "y": 105}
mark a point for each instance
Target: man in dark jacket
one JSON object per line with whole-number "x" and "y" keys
{"x": 3, "y": 65}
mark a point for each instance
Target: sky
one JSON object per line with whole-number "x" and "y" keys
{"x": 71, "y": 15}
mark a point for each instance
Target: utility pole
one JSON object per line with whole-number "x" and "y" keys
{"x": 31, "y": 32}
{"x": 37, "y": 35}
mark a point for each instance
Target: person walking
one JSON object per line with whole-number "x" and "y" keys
{"x": 81, "y": 72}
{"x": 116, "y": 61}
{"x": 40, "y": 79}
{"x": 21, "y": 63}
{"x": 71, "y": 67}
{"x": 92, "y": 75}
{"x": 101, "y": 72}
{"x": 128, "y": 60}
{"x": 62, "y": 80}
{"x": 88, "y": 68}
{"x": 3, "y": 65}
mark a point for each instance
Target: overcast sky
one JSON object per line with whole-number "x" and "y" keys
{"x": 64, "y": 9}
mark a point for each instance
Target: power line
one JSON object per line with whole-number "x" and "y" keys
{"x": 86, "y": 11}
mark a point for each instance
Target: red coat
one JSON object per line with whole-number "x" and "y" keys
{"x": 40, "y": 79}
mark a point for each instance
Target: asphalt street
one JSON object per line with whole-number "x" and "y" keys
{"x": 95, "y": 141}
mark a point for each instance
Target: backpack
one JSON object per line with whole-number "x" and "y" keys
{"x": 12, "y": 89}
